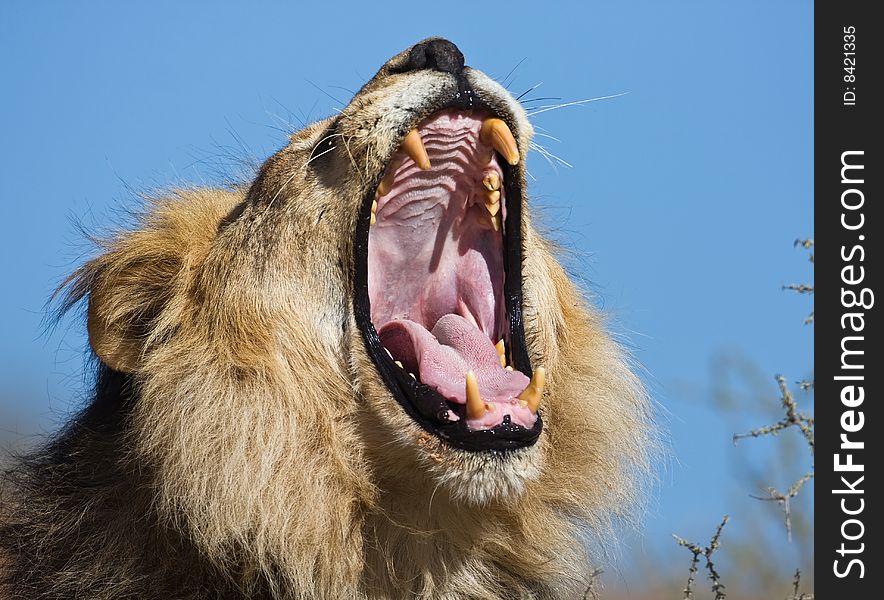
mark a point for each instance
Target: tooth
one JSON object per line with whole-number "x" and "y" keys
{"x": 475, "y": 406}
{"x": 374, "y": 218}
{"x": 508, "y": 368}
{"x": 501, "y": 352}
{"x": 489, "y": 406}
{"x": 399, "y": 364}
{"x": 531, "y": 394}
{"x": 495, "y": 222}
{"x": 413, "y": 146}
{"x": 491, "y": 181}
{"x": 492, "y": 201}
{"x": 388, "y": 179}
{"x": 495, "y": 132}
{"x": 386, "y": 184}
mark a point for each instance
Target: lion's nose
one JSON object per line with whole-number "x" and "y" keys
{"x": 438, "y": 54}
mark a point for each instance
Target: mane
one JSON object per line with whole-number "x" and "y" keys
{"x": 69, "y": 506}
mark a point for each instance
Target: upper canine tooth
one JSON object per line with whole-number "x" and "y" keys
{"x": 494, "y": 132}
{"x": 531, "y": 394}
{"x": 413, "y": 146}
{"x": 475, "y": 406}
{"x": 491, "y": 181}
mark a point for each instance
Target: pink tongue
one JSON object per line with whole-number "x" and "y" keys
{"x": 443, "y": 357}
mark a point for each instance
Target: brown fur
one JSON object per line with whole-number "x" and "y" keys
{"x": 241, "y": 442}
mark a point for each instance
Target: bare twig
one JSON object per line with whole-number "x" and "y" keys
{"x": 784, "y": 499}
{"x": 804, "y": 288}
{"x": 697, "y": 551}
{"x": 807, "y": 245}
{"x": 796, "y": 586}
{"x": 793, "y": 418}
{"x": 591, "y": 592}
{"x": 801, "y": 288}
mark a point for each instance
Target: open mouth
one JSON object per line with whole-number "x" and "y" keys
{"x": 439, "y": 283}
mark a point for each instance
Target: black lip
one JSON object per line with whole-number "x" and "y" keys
{"x": 421, "y": 402}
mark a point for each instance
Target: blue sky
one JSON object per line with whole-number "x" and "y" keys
{"x": 680, "y": 210}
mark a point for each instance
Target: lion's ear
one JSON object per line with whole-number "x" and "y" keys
{"x": 128, "y": 290}
{"x": 115, "y": 343}
{"x": 136, "y": 287}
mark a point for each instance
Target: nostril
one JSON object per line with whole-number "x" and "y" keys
{"x": 437, "y": 54}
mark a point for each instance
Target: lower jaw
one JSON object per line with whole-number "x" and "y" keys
{"x": 482, "y": 478}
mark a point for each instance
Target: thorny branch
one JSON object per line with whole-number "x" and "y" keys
{"x": 801, "y": 288}
{"x": 591, "y": 593}
{"x": 796, "y": 585}
{"x": 793, "y": 418}
{"x": 804, "y": 288}
{"x": 697, "y": 551}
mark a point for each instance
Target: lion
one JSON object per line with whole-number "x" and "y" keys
{"x": 362, "y": 375}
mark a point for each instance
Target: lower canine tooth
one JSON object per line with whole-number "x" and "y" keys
{"x": 475, "y": 406}
{"x": 531, "y": 394}
{"x": 496, "y": 133}
{"x": 413, "y": 146}
{"x": 501, "y": 352}
{"x": 386, "y": 184}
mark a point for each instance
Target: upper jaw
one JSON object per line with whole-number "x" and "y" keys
{"x": 378, "y": 118}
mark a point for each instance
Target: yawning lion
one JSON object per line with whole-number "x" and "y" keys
{"x": 363, "y": 375}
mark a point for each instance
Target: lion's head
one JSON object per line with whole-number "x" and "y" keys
{"x": 365, "y": 372}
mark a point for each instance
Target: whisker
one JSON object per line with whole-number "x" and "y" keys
{"x": 285, "y": 126}
{"x": 560, "y": 160}
{"x": 310, "y": 112}
{"x": 289, "y": 113}
{"x": 325, "y": 92}
{"x": 282, "y": 187}
{"x": 543, "y": 109}
{"x": 529, "y": 90}
{"x": 513, "y": 70}
{"x": 542, "y": 151}
{"x": 541, "y": 98}
{"x": 353, "y": 160}
{"x": 306, "y": 164}
{"x": 324, "y": 152}
{"x": 340, "y": 87}
{"x": 546, "y": 135}
{"x": 549, "y": 156}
